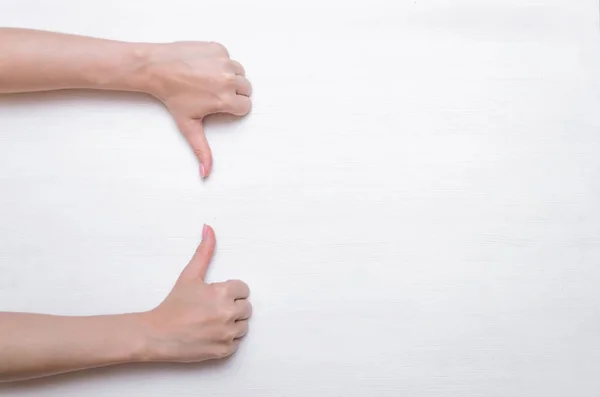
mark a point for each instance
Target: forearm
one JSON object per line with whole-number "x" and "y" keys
{"x": 34, "y": 345}
{"x": 32, "y": 60}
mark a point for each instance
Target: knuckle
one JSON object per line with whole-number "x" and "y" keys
{"x": 239, "y": 66}
{"x": 222, "y": 351}
{"x": 244, "y": 107}
{"x": 227, "y": 79}
{"x": 218, "y": 48}
{"x": 218, "y": 103}
{"x": 227, "y": 65}
{"x": 248, "y": 106}
{"x": 219, "y": 289}
{"x": 224, "y": 100}
{"x": 238, "y": 284}
{"x": 229, "y": 314}
{"x": 230, "y": 335}
{"x": 232, "y": 347}
{"x": 232, "y": 101}
{"x": 224, "y": 335}
{"x": 225, "y": 289}
{"x": 248, "y": 86}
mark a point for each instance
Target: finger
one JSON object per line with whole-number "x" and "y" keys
{"x": 241, "y": 329}
{"x": 193, "y": 131}
{"x": 237, "y": 289}
{"x": 238, "y": 68}
{"x": 227, "y": 348}
{"x": 243, "y": 86}
{"x": 235, "y": 344}
{"x": 240, "y": 105}
{"x": 198, "y": 265}
{"x": 243, "y": 309}
{"x": 219, "y": 49}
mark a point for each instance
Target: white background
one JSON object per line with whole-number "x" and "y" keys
{"x": 414, "y": 200}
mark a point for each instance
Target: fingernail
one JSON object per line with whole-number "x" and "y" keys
{"x": 204, "y": 231}
{"x": 202, "y": 171}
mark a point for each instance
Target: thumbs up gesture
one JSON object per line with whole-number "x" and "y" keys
{"x": 199, "y": 321}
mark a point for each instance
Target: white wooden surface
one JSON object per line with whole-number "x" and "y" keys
{"x": 414, "y": 200}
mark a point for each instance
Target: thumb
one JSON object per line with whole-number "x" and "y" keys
{"x": 198, "y": 265}
{"x": 193, "y": 131}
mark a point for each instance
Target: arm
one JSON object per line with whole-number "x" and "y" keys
{"x": 193, "y": 79}
{"x": 196, "y": 322}
{"x": 33, "y": 345}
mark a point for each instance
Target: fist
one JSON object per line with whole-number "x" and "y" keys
{"x": 199, "y": 321}
{"x": 193, "y": 80}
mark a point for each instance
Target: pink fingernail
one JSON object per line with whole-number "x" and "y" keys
{"x": 204, "y": 231}
{"x": 202, "y": 171}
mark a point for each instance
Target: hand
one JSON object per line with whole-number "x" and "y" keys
{"x": 199, "y": 321}
{"x": 195, "y": 79}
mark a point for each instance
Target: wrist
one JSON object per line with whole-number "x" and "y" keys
{"x": 141, "y": 341}
{"x": 123, "y": 67}
{"x": 137, "y": 67}
{"x": 153, "y": 345}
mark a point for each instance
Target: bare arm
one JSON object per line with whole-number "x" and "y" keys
{"x": 193, "y": 79}
{"x": 33, "y": 345}
{"x": 32, "y": 60}
{"x": 196, "y": 322}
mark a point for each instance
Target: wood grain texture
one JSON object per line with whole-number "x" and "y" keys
{"x": 414, "y": 199}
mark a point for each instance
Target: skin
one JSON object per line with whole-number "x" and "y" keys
{"x": 197, "y": 321}
{"x": 192, "y": 79}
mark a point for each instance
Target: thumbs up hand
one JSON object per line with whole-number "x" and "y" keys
{"x": 199, "y": 321}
